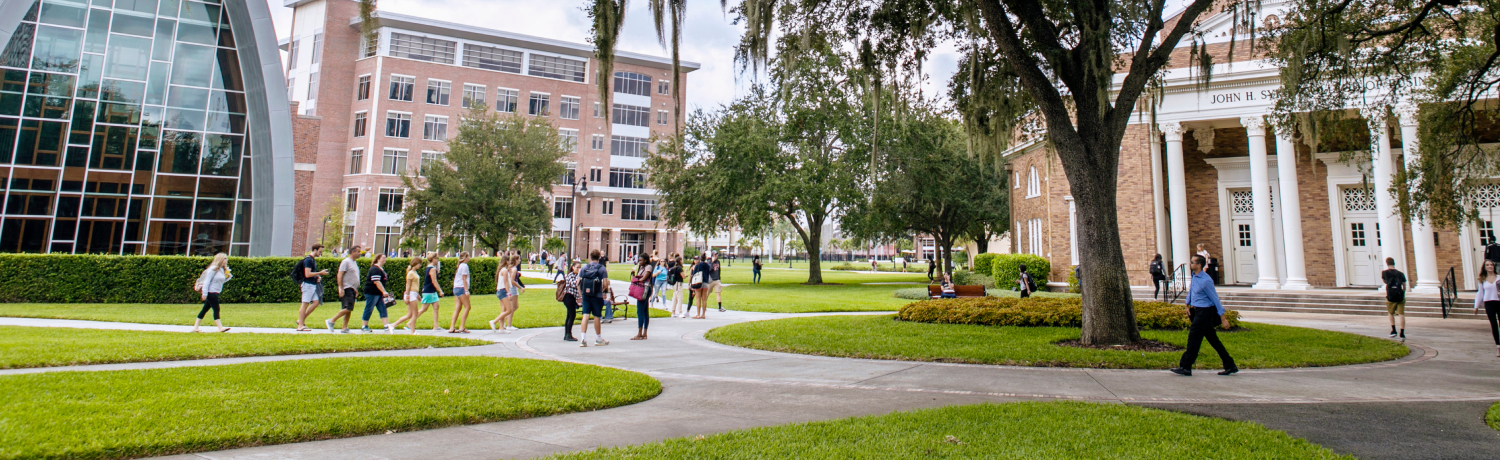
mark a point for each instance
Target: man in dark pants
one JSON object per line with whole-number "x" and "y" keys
{"x": 1205, "y": 311}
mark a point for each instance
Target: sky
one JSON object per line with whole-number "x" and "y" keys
{"x": 708, "y": 38}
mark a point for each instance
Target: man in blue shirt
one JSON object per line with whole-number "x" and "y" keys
{"x": 1205, "y": 311}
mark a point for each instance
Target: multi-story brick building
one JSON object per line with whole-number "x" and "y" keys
{"x": 1275, "y": 213}
{"x": 387, "y": 108}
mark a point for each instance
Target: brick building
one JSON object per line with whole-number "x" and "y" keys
{"x": 1210, "y": 171}
{"x": 387, "y": 108}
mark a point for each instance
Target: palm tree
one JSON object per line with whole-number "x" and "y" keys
{"x": 609, "y": 17}
{"x": 676, "y": 9}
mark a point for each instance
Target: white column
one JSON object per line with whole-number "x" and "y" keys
{"x": 1423, "y": 246}
{"x": 1391, "y": 237}
{"x": 1291, "y": 211}
{"x": 1264, "y": 237}
{"x": 1159, "y": 198}
{"x": 1177, "y": 193}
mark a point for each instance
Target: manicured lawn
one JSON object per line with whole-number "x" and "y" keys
{"x": 920, "y": 293}
{"x": 539, "y": 308}
{"x": 881, "y": 337}
{"x": 742, "y": 274}
{"x": 56, "y": 346}
{"x": 126, "y": 414}
{"x": 1027, "y": 430}
{"x": 797, "y": 298}
{"x": 1493, "y": 417}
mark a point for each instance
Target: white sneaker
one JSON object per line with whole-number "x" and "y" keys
{"x": 329, "y": 323}
{"x": 492, "y": 326}
{"x": 390, "y": 329}
{"x": 601, "y": 342}
{"x": 513, "y": 328}
{"x": 583, "y": 343}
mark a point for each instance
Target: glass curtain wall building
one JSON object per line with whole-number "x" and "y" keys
{"x": 131, "y": 127}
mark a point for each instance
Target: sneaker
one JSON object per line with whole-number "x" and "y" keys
{"x": 365, "y": 329}
{"x": 390, "y": 329}
{"x": 721, "y": 309}
{"x": 345, "y": 331}
{"x": 1393, "y": 335}
{"x": 492, "y": 325}
{"x": 601, "y": 342}
{"x": 513, "y": 328}
{"x": 329, "y": 323}
{"x": 583, "y": 343}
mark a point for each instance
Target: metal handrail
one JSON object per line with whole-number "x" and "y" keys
{"x": 1177, "y": 283}
{"x": 1448, "y": 292}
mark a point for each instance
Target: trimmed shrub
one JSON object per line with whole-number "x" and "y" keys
{"x": 1062, "y": 312}
{"x": 1006, "y": 270}
{"x": 984, "y": 263}
{"x": 966, "y": 278}
{"x": 81, "y": 278}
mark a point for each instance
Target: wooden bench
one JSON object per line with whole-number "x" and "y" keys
{"x": 962, "y": 292}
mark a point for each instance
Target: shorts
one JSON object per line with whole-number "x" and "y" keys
{"x": 715, "y": 286}
{"x": 413, "y": 296}
{"x": 346, "y": 301}
{"x": 460, "y": 292}
{"x": 593, "y": 306}
{"x": 312, "y": 292}
{"x": 1395, "y": 308}
{"x": 501, "y": 294}
{"x": 429, "y": 297}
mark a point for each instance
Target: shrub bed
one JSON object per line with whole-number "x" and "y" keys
{"x": 1003, "y": 311}
{"x": 83, "y": 278}
{"x": 1006, "y": 269}
{"x": 983, "y": 263}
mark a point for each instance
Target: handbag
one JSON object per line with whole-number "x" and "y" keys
{"x": 637, "y": 289}
{"x": 697, "y": 280}
{"x": 562, "y": 290}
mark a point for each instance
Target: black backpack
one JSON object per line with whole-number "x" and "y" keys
{"x": 1395, "y": 291}
{"x": 588, "y": 280}
{"x": 1156, "y": 268}
{"x": 297, "y": 273}
{"x": 1030, "y": 283}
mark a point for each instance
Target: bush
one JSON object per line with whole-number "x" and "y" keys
{"x": 1006, "y": 269}
{"x": 1066, "y": 312}
{"x": 984, "y": 263}
{"x": 921, "y": 293}
{"x": 1073, "y": 283}
{"x": 844, "y": 266}
{"x": 967, "y": 278}
{"x": 82, "y": 278}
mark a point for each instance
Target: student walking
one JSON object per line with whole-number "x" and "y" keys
{"x": 515, "y": 296}
{"x": 1027, "y": 285}
{"x": 658, "y": 281}
{"x": 1205, "y": 311}
{"x": 931, "y": 267}
{"x": 432, "y": 290}
{"x": 348, "y": 281}
{"x": 714, "y": 286}
{"x": 209, "y": 285}
{"x": 412, "y": 295}
{"x": 591, "y": 281}
{"x": 1158, "y": 276}
{"x": 755, "y": 267}
{"x": 1395, "y": 296}
{"x": 640, "y": 288}
{"x": 700, "y": 280}
{"x": 376, "y": 296}
{"x": 311, "y": 281}
{"x": 505, "y": 288}
{"x": 570, "y": 300}
{"x": 674, "y": 279}
{"x": 461, "y": 306}
{"x": 1488, "y": 296}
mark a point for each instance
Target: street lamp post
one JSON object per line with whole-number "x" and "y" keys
{"x": 578, "y": 187}
{"x": 323, "y": 236}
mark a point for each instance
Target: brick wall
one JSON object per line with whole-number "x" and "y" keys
{"x": 305, "y": 131}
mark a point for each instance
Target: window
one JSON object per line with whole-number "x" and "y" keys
{"x": 1034, "y": 236}
{"x": 473, "y": 95}
{"x": 421, "y": 48}
{"x": 506, "y": 100}
{"x": 596, "y": 175}
{"x": 1243, "y": 232}
{"x": 1033, "y": 184}
{"x": 627, "y": 178}
{"x": 662, "y": 87}
{"x": 370, "y": 46}
{"x": 291, "y": 59}
{"x": 598, "y": 110}
{"x": 397, "y": 124}
{"x": 351, "y": 200}
{"x": 312, "y": 86}
{"x": 1486, "y": 232}
{"x": 360, "y": 120}
{"x": 291, "y": 86}
{"x": 317, "y": 51}
{"x": 538, "y": 104}
{"x": 1357, "y": 234}
{"x": 356, "y": 162}
{"x": 387, "y": 239}
{"x": 637, "y": 209}
{"x": 390, "y": 200}
{"x": 1017, "y": 181}
{"x": 491, "y": 58}
{"x": 627, "y": 146}
{"x": 567, "y": 176}
{"x": 569, "y": 139}
{"x": 569, "y": 108}
{"x": 437, "y": 92}
{"x": 393, "y": 162}
{"x": 607, "y": 207}
{"x": 596, "y": 142}
{"x": 631, "y": 115}
{"x": 429, "y": 160}
{"x": 562, "y": 207}
{"x": 661, "y": 117}
{"x": 556, "y": 67}
{"x": 632, "y": 83}
{"x": 435, "y": 128}
{"x": 362, "y": 91}
{"x": 402, "y": 87}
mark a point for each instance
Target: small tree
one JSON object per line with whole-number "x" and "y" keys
{"x": 333, "y": 223}
{"x": 554, "y": 245}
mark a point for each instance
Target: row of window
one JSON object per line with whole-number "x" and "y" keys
{"x": 393, "y": 162}
{"x": 387, "y": 199}
{"x": 630, "y": 209}
{"x": 435, "y": 128}
{"x": 403, "y": 88}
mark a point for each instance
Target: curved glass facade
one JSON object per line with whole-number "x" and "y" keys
{"x": 122, "y": 130}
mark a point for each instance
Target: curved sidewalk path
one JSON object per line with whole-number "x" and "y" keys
{"x": 710, "y": 388}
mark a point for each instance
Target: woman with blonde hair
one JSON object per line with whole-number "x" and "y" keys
{"x": 210, "y": 283}
{"x": 432, "y": 290}
{"x": 515, "y": 297}
{"x": 412, "y": 295}
{"x": 505, "y": 289}
{"x": 461, "y": 287}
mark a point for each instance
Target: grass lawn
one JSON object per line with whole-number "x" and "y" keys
{"x": 56, "y": 346}
{"x": 798, "y": 298}
{"x": 539, "y": 308}
{"x": 126, "y": 414}
{"x": 881, "y": 337}
{"x": 1493, "y": 417}
{"x": 1027, "y": 430}
{"x": 741, "y": 274}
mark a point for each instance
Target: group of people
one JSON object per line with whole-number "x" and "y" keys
{"x": 586, "y": 289}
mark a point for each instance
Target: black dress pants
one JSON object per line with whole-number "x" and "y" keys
{"x": 1204, "y": 322}
{"x": 572, "y": 305}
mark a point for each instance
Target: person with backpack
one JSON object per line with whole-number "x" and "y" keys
{"x": 755, "y": 267}
{"x": 1027, "y": 284}
{"x": 714, "y": 286}
{"x": 591, "y": 285}
{"x": 1158, "y": 276}
{"x": 209, "y": 285}
{"x": 347, "y": 280}
{"x": 310, "y": 279}
{"x": 376, "y": 296}
{"x": 1395, "y": 297}
{"x": 700, "y": 280}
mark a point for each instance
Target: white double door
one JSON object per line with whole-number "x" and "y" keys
{"x": 1240, "y": 263}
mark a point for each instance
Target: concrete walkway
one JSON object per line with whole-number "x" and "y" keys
{"x": 711, "y": 388}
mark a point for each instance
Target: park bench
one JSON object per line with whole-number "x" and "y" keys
{"x": 936, "y": 291}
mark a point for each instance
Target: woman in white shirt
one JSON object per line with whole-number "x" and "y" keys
{"x": 210, "y": 283}
{"x": 460, "y": 323}
{"x": 505, "y": 291}
{"x": 1488, "y": 295}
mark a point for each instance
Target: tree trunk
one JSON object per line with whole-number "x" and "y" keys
{"x": 1108, "y": 310}
{"x": 814, "y": 252}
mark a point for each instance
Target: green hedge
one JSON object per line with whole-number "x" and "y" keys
{"x": 1005, "y": 269}
{"x": 984, "y": 263}
{"x": 1066, "y": 312}
{"x": 169, "y": 279}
